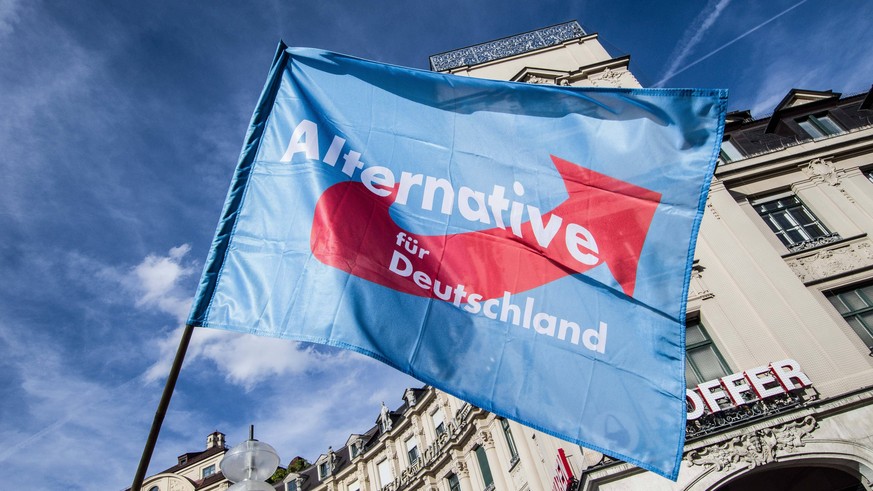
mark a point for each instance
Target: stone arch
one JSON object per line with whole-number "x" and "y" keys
{"x": 169, "y": 482}
{"x": 852, "y": 458}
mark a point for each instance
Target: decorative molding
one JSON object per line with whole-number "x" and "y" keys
{"x": 461, "y": 467}
{"x": 506, "y": 47}
{"x": 409, "y": 395}
{"x": 822, "y": 171}
{"x": 485, "y": 438}
{"x": 722, "y": 420}
{"x": 536, "y": 79}
{"x": 832, "y": 261}
{"x": 607, "y": 78}
{"x": 697, "y": 289}
{"x": 814, "y": 243}
{"x": 754, "y": 449}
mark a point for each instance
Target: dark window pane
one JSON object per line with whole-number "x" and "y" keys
{"x": 691, "y": 378}
{"x": 484, "y": 467}
{"x": 694, "y": 334}
{"x": 856, "y": 306}
{"x": 853, "y": 300}
{"x": 707, "y": 363}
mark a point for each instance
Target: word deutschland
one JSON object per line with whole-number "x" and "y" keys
{"x": 493, "y": 308}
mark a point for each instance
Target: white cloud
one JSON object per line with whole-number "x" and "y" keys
{"x": 156, "y": 280}
{"x": 304, "y": 417}
{"x": 8, "y": 16}
{"x": 243, "y": 359}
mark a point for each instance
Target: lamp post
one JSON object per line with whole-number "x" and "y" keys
{"x": 250, "y": 464}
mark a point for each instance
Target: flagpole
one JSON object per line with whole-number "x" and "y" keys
{"x": 162, "y": 409}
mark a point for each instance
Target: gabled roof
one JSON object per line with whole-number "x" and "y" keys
{"x": 800, "y": 101}
{"x": 798, "y": 97}
{"x": 541, "y": 73}
{"x": 192, "y": 458}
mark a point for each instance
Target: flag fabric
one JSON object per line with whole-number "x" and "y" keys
{"x": 526, "y": 248}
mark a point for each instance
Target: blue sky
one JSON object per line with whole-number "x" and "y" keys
{"x": 121, "y": 126}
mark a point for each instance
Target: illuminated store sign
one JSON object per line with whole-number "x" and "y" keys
{"x": 737, "y": 389}
{"x": 563, "y": 474}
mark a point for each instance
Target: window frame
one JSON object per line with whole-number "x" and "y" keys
{"x": 510, "y": 440}
{"x": 210, "y": 467}
{"x": 729, "y": 151}
{"x": 389, "y": 474}
{"x": 820, "y": 125}
{"x": 323, "y": 469}
{"x": 440, "y": 428}
{"x": 793, "y": 213}
{"x": 707, "y": 342}
{"x": 861, "y": 328}
{"x": 412, "y": 453}
{"x": 484, "y": 466}
{"x": 454, "y": 482}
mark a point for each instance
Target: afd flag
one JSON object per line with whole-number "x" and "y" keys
{"x": 526, "y": 248}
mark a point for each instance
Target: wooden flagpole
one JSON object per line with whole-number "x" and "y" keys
{"x": 162, "y": 409}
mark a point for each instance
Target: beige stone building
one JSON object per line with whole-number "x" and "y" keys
{"x": 780, "y": 317}
{"x": 194, "y": 470}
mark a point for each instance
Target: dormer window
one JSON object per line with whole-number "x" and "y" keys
{"x": 729, "y": 152}
{"x": 820, "y": 126}
{"x": 323, "y": 470}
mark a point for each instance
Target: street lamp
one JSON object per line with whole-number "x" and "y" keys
{"x": 249, "y": 464}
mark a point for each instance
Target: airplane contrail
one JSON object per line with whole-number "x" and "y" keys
{"x": 741, "y": 36}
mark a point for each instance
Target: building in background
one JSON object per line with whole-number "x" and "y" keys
{"x": 195, "y": 470}
{"x": 779, "y": 329}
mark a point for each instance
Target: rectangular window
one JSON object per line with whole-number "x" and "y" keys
{"x": 820, "y": 126}
{"x": 869, "y": 174}
{"x": 790, "y": 219}
{"x": 483, "y": 466}
{"x": 439, "y": 424}
{"x": 323, "y": 470}
{"x": 208, "y": 471}
{"x": 729, "y": 152}
{"x": 510, "y": 441}
{"x": 412, "y": 450}
{"x": 291, "y": 486}
{"x": 354, "y": 486}
{"x": 385, "y": 473}
{"x": 703, "y": 362}
{"x": 454, "y": 484}
{"x": 855, "y": 304}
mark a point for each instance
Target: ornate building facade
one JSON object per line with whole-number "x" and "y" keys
{"x": 199, "y": 471}
{"x": 779, "y": 328}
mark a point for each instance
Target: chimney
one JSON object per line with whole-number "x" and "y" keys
{"x": 215, "y": 439}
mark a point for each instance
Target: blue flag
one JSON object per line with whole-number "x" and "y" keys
{"x": 526, "y": 248}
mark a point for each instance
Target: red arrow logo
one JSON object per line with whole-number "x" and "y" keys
{"x": 353, "y": 231}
